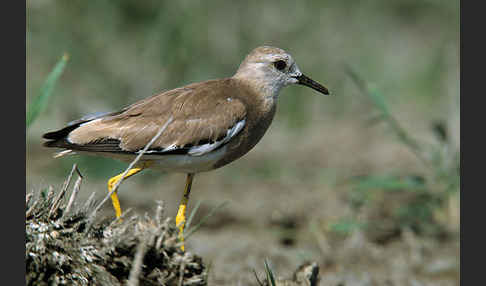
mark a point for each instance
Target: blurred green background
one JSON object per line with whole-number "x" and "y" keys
{"x": 330, "y": 160}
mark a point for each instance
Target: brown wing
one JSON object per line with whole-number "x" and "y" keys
{"x": 201, "y": 112}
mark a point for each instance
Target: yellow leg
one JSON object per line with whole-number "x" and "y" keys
{"x": 181, "y": 213}
{"x": 111, "y": 184}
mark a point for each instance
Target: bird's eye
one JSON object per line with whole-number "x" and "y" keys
{"x": 280, "y": 65}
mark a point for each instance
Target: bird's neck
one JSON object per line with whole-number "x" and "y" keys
{"x": 258, "y": 81}
{"x": 263, "y": 96}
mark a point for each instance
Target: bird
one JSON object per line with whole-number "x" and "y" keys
{"x": 210, "y": 123}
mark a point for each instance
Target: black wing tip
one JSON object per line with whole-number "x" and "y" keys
{"x": 51, "y": 135}
{"x": 58, "y": 138}
{"x": 60, "y": 143}
{"x": 107, "y": 145}
{"x": 55, "y": 138}
{"x": 61, "y": 133}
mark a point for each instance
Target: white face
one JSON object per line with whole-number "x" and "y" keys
{"x": 270, "y": 71}
{"x": 279, "y": 68}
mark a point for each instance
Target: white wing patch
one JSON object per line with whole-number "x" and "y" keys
{"x": 200, "y": 150}
{"x": 170, "y": 148}
{"x": 208, "y": 147}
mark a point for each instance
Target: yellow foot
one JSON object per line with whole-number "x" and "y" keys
{"x": 114, "y": 196}
{"x": 180, "y": 222}
{"x": 111, "y": 184}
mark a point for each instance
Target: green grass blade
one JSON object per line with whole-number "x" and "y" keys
{"x": 204, "y": 219}
{"x": 346, "y": 226}
{"x": 270, "y": 277}
{"x": 390, "y": 183}
{"x": 39, "y": 103}
{"x": 191, "y": 216}
{"x": 379, "y": 101}
{"x": 375, "y": 96}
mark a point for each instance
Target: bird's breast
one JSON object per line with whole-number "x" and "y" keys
{"x": 257, "y": 124}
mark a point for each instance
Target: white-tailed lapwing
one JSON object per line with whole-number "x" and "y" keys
{"x": 212, "y": 123}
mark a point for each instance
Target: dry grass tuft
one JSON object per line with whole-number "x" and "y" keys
{"x": 307, "y": 274}
{"x": 62, "y": 249}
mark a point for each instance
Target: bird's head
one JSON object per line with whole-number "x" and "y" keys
{"x": 269, "y": 69}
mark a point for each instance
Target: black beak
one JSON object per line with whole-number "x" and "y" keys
{"x": 303, "y": 80}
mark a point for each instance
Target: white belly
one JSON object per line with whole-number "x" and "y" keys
{"x": 172, "y": 163}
